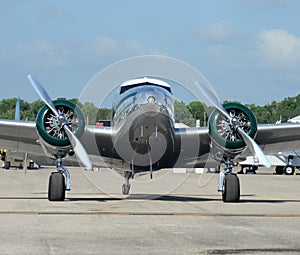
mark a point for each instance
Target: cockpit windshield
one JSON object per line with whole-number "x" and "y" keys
{"x": 144, "y": 82}
{"x": 125, "y": 88}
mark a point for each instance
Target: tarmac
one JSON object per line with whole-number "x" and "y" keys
{"x": 170, "y": 214}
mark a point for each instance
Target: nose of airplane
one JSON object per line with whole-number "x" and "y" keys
{"x": 153, "y": 100}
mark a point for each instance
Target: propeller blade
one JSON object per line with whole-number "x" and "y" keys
{"x": 254, "y": 148}
{"x": 42, "y": 93}
{"x": 212, "y": 97}
{"x": 78, "y": 148}
{"x": 76, "y": 144}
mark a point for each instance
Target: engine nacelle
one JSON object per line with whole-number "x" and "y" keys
{"x": 225, "y": 139}
{"x": 52, "y": 135}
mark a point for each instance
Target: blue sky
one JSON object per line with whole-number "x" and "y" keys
{"x": 248, "y": 49}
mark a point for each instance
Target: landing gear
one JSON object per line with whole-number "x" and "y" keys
{"x": 56, "y": 189}
{"x": 279, "y": 170}
{"x": 231, "y": 188}
{"x": 6, "y": 165}
{"x": 289, "y": 170}
{"x": 126, "y": 186}
{"x": 57, "y": 183}
{"x": 229, "y": 184}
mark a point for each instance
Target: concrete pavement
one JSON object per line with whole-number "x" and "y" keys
{"x": 189, "y": 217}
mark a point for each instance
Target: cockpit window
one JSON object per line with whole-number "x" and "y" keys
{"x": 125, "y": 88}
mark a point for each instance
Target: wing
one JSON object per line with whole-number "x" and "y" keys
{"x": 278, "y": 137}
{"x": 271, "y": 138}
{"x": 193, "y": 143}
{"x": 98, "y": 140}
{"x": 99, "y": 144}
{"x": 19, "y": 136}
{"x": 193, "y": 146}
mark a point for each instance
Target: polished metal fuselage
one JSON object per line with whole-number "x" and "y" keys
{"x": 143, "y": 122}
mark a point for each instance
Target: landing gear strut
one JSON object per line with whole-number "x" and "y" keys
{"x": 228, "y": 184}
{"x": 126, "y": 186}
{"x": 57, "y": 183}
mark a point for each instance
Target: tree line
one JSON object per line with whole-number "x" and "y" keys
{"x": 185, "y": 113}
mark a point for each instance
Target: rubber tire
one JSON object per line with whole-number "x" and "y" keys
{"x": 6, "y": 165}
{"x": 56, "y": 188}
{"x": 231, "y": 188}
{"x": 279, "y": 170}
{"x": 125, "y": 189}
{"x": 212, "y": 170}
{"x": 31, "y": 165}
{"x": 289, "y": 172}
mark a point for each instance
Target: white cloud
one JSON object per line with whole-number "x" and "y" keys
{"x": 44, "y": 55}
{"x": 218, "y": 32}
{"x": 104, "y": 46}
{"x": 270, "y": 49}
{"x": 35, "y": 54}
{"x": 278, "y": 48}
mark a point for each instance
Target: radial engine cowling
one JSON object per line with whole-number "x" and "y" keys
{"x": 50, "y": 130}
{"x": 225, "y": 139}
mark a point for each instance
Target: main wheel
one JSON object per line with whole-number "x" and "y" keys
{"x": 289, "y": 170}
{"x": 211, "y": 170}
{"x": 7, "y": 165}
{"x": 231, "y": 188}
{"x": 279, "y": 170}
{"x": 56, "y": 189}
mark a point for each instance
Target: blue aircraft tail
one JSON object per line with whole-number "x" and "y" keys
{"x": 17, "y": 113}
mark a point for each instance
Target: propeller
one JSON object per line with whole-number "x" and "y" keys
{"x": 76, "y": 144}
{"x": 252, "y": 145}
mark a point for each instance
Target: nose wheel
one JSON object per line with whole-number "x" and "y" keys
{"x": 126, "y": 186}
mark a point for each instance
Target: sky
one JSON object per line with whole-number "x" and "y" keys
{"x": 249, "y": 50}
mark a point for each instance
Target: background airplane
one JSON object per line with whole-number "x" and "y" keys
{"x": 143, "y": 138}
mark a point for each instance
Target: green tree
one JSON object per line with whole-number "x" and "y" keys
{"x": 90, "y": 111}
{"x": 196, "y": 109}
{"x": 183, "y": 115}
{"x": 33, "y": 110}
{"x": 104, "y": 114}
{"x": 187, "y": 114}
{"x": 7, "y": 107}
{"x": 200, "y": 111}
